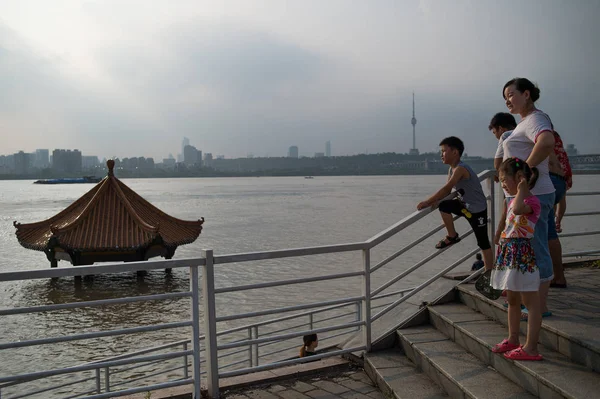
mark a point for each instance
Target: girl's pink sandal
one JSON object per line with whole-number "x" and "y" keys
{"x": 520, "y": 354}
{"x": 504, "y": 346}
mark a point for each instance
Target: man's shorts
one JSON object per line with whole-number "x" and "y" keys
{"x": 478, "y": 221}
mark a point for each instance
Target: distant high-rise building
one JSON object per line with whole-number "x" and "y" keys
{"x": 328, "y": 148}
{"x": 220, "y": 156}
{"x": 42, "y": 159}
{"x": 89, "y": 161}
{"x": 208, "y": 158}
{"x": 184, "y": 142}
{"x": 169, "y": 163}
{"x": 293, "y": 152}
{"x": 66, "y": 161}
{"x": 23, "y": 163}
{"x": 319, "y": 154}
{"x": 190, "y": 155}
{"x": 413, "y": 122}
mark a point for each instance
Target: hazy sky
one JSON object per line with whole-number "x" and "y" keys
{"x": 132, "y": 78}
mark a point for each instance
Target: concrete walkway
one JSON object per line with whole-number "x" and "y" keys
{"x": 352, "y": 384}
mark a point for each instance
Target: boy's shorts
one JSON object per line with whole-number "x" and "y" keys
{"x": 478, "y": 221}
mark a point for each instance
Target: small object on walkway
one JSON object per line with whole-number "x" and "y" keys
{"x": 520, "y": 354}
{"x": 483, "y": 285}
{"x": 451, "y": 241}
{"x": 525, "y": 312}
{"x": 504, "y": 346}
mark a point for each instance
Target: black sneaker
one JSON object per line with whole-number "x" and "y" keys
{"x": 484, "y": 286}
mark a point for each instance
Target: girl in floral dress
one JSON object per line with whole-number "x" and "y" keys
{"x": 516, "y": 270}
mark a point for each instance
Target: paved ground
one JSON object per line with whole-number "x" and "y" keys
{"x": 353, "y": 384}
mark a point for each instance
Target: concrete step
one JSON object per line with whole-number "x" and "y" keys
{"x": 554, "y": 377}
{"x": 458, "y": 372}
{"x": 570, "y": 331}
{"x": 398, "y": 377}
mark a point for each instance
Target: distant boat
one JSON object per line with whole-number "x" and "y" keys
{"x": 67, "y": 180}
{"x": 308, "y": 177}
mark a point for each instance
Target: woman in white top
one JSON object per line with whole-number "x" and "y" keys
{"x": 533, "y": 140}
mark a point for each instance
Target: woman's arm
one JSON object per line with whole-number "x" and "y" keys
{"x": 544, "y": 146}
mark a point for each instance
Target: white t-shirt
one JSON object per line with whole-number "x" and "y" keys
{"x": 520, "y": 144}
{"x": 500, "y": 149}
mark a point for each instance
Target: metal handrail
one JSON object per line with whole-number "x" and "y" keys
{"x": 425, "y": 284}
{"x": 289, "y": 253}
{"x": 580, "y": 233}
{"x": 290, "y": 308}
{"x": 287, "y": 282}
{"x": 591, "y": 213}
{"x": 575, "y": 194}
{"x": 414, "y": 267}
{"x": 408, "y": 247}
{"x": 108, "y": 268}
{"x": 89, "y": 304}
{"x": 96, "y": 334}
{"x": 66, "y": 370}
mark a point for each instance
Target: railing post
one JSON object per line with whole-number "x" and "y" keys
{"x": 255, "y": 346}
{"x": 186, "y": 373}
{"x": 250, "y": 355}
{"x": 492, "y": 208}
{"x": 106, "y": 380}
{"x": 366, "y": 303}
{"x": 310, "y": 321}
{"x": 358, "y": 313}
{"x": 98, "y": 381}
{"x": 195, "y": 288}
{"x": 210, "y": 326}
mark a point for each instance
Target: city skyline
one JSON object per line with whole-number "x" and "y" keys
{"x": 241, "y": 78}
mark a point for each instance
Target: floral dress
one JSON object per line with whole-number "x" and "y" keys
{"x": 515, "y": 268}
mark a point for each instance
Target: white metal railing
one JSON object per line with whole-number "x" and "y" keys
{"x": 244, "y": 345}
{"x": 593, "y": 251}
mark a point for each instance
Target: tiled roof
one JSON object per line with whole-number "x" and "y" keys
{"x": 109, "y": 217}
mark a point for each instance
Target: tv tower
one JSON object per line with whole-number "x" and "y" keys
{"x": 413, "y": 122}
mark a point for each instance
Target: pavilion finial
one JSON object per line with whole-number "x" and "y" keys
{"x": 110, "y": 164}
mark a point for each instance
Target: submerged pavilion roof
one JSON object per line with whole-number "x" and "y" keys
{"x": 108, "y": 223}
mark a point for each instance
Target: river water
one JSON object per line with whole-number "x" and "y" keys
{"x": 242, "y": 215}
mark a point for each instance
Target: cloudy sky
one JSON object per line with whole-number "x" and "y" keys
{"x": 132, "y": 78}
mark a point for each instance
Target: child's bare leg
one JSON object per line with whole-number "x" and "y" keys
{"x": 448, "y": 220}
{"x": 514, "y": 316}
{"x": 531, "y": 299}
{"x": 488, "y": 258}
